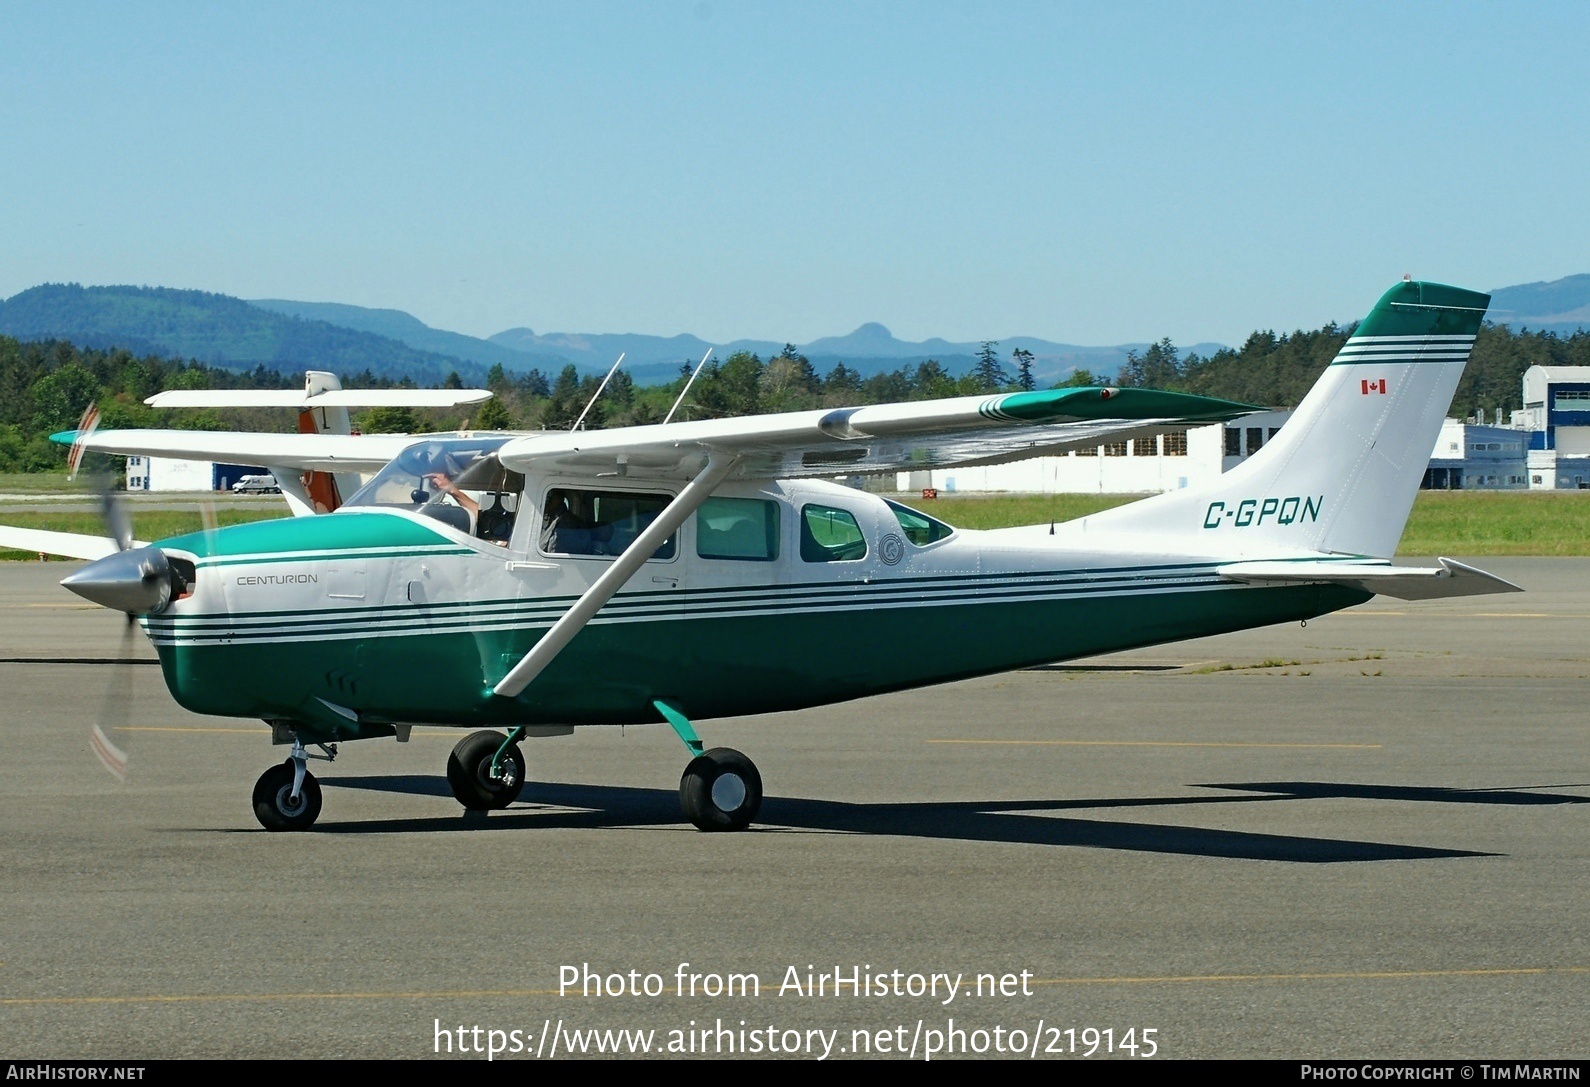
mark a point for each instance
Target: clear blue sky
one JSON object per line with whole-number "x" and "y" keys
{"x": 1087, "y": 173}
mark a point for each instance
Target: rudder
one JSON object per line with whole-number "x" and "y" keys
{"x": 1341, "y": 475}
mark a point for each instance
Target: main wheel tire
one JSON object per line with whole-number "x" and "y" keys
{"x": 720, "y": 790}
{"x": 274, "y": 805}
{"x": 469, "y": 772}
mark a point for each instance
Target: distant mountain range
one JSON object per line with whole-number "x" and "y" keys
{"x": 870, "y": 349}
{"x": 217, "y": 329}
{"x": 1561, "y": 306}
{"x": 289, "y": 335}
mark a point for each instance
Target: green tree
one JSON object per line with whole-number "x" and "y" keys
{"x": 493, "y": 415}
{"x": 1023, "y": 361}
{"x": 887, "y": 388}
{"x": 534, "y": 384}
{"x": 987, "y": 375}
{"x": 60, "y": 398}
{"x": 789, "y": 383}
{"x": 932, "y": 382}
{"x": 1159, "y": 367}
{"x": 841, "y": 387}
{"x": 740, "y": 383}
{"x": 564, "y": 403}
{"x": 388, "y": 421}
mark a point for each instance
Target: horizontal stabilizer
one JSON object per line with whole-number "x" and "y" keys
{"x": 1451, "y": 578}
{"x": 72, "y": 545}
{"x": 331, "y": 398}
{"x": 318, "y": 452}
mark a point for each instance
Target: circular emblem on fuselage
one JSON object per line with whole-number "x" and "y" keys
{"x": 891, "y": 549}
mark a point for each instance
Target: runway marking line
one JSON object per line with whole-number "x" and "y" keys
{"x": 188, "y": 728}
{"x": 245, "y": 731}
{"x": 468, "y": 994}
{"x": 1460, "y": 615}
{"x": 1148, "y": 743}
{"x": 1349, "y": 975}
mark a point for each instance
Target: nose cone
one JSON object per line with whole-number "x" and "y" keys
{"x": 136, "y": 581}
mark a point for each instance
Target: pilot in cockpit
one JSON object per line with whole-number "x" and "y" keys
{"x": 445, "y": 485}
{"x": 493, "y": 523}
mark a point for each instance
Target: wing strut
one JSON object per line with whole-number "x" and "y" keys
{"x": 573, "y": 621}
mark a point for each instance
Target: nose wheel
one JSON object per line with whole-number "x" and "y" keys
{"x": 277, "y": 807}
{"x": 486, "y": 771}
{"x": 287, "y": 797}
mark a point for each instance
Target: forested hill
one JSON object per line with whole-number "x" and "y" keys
{"x": 216, "y": 329}
{"x": 1277, "y": 370}
{"x": 44, "y": 386}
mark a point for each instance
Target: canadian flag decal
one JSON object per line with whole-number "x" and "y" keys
{"x": 1374, "y": 386}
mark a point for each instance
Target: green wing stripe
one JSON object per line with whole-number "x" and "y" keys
{"x": 1089, "y": 402}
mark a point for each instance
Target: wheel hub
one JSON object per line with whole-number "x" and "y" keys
{"x": 728, "y": 792}
{"x": 506, "y": 777}
{"x": 287, "y": 804}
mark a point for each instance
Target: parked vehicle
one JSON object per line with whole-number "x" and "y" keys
{"x": 256, "y": 485}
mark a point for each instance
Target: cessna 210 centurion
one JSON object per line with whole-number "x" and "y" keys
{"x": 687, "y": 571}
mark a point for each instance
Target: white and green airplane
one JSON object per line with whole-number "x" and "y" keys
{"x": 526, "y": 584}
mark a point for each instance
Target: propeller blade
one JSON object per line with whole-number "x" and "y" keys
{"x": 85, "y": 426}
{"x": 118, "y": 522}
{"x": 116, "y": 708}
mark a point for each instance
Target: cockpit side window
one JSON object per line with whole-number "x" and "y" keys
{"x": 829, "y": 534}
{"x": 575, "y": 521}
{"x": 741, "y": 529}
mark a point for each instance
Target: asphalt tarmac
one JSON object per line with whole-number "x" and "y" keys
{"x": 1366, "y": 838}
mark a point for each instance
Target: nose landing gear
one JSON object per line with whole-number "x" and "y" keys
{"x": 287, "y": 797}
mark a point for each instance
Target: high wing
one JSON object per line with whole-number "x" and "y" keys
{"x": 304, "y": 452}
{"x": 303, "y": 399}
{"x": 927, "y": 434}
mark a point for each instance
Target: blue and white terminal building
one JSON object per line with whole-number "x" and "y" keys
{"x": 1556, "y": 418}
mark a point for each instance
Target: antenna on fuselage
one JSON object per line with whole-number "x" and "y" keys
{"x": 598, "y": 394}
{"x": 689, "y": 383}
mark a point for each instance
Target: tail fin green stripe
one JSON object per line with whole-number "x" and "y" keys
{"x": 1412, "y": 308}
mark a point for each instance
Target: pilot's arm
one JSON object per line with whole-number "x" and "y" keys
{"x": 442, "y": 483}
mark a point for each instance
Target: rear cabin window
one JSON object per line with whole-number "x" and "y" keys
{"x": 919, "y": 528}
{"x": 580, "y": 522}
{"x": 737, "y": 528}
{"x": 831, "y": 535}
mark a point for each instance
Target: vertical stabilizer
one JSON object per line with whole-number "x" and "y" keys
{"x": 1341, "y": 475}
{"x": 325, "y": 490}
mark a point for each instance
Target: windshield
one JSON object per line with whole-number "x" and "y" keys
{"x": 409, "y": 482}
{"x": 918, "y": 527}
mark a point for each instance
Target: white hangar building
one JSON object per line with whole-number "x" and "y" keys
{"x": 1556, "y": 414}
{"x": 1182, "y": 458}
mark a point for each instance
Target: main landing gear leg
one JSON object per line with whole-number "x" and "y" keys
{"x": 720, "y": 789}
{"x": 287, "y": 797}
{"x": 486, "y": 770}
